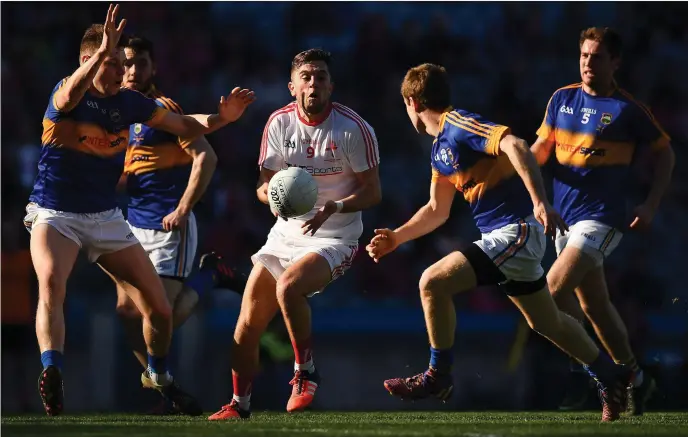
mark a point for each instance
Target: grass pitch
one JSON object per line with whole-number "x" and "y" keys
{"x": 332, "y": 424}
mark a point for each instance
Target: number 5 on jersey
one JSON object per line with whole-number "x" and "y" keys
{"x": 586, "y": 118}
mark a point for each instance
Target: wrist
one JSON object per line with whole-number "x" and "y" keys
{"x": 183, "y": 209}
{"x": 339, "y": 205}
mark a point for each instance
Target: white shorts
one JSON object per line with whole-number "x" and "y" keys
{"x": 592, "y": 237}
{"x": 280, "y": 252}
{"x": 97, "y": 233}
{"x": 172, "y": 253}
{"x": 517, "y": 249}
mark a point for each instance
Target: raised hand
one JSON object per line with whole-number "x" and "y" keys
{"x": 112, "y": 34}
{"x": 234, "y": 105}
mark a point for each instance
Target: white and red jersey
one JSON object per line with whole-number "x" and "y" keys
{"x": 332, "y": 151}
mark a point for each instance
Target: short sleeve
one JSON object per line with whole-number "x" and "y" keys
{"x": 271, "y": 156}
{"x": 143, "y": 109}
{"x": 546, "y": 130}
{"x": 172, "y": 106}
{"x": 475, "y": 131}
{"x": 52, "y": 113}
{"x": 647, "y": 129}
{"x": 361, "y": 147}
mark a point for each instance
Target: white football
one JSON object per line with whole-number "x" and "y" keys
{"x": 292, "y": 192}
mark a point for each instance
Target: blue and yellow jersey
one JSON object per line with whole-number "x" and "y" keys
{"x": 466, "y": 152}
{"x": 83, "y": 150}
{"x": 595, "y": 142}
{"x": 157, "y": 170}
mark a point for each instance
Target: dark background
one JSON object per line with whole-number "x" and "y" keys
{"x": 506, "y": 60}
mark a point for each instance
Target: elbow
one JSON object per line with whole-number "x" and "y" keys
{"x": 210, "y": 159}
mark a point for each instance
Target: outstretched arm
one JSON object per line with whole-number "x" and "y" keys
{"x": 74, "y": 89}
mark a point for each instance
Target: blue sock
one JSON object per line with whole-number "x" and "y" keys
{"x": 441, "y": 359}
{"x": 202, "y": 281}
{"x": 576, "y": 367}
{"x": 157, "y": 364}
{"x": 52, "y": 358}
{"x": 602, "y": 368}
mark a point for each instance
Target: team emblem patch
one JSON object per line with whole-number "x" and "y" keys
{"x": 114, "y": 115}
{"x": 606, "y": 118}
{"x": 137, "y": 128}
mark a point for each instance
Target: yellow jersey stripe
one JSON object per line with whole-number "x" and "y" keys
{"x": 467, "y": 128}
{"x": 470, "y": 121}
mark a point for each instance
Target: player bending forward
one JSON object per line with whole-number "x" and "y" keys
{"x": 74, "y": 207}
{"x": 303, "y": 255}
{"x": 484, "y": 161}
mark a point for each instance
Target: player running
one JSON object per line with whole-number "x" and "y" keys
{"x": 500, "y": 179}
{"x": 303, "y": 255}
{"x": 166, "y": 177}
{"x": 73, "y": 204}
{"x": 597, "y": 128}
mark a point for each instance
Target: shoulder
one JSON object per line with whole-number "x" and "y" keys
{"x": 635, "y": 105}
{"x": 459, "y": 122}
{"x": 166, "y": 102}
{"x": 566, "y": 91}
{"x": 60, "y": 84}
{"x": 282, "y": 116}
{"x": 349, "y": 121}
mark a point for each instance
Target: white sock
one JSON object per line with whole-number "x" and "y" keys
{"x": 160, "y": 378}
{"x": 243, "y": 401}
{"x": 638, "y": 379}
{"x": 308, "y": 366}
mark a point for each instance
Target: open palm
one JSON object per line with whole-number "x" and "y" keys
{"x": 234, "y": 105}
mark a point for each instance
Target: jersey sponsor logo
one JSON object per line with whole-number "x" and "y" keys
{"x": 468, "y": 185}
{"x": 566, "y": 110}
{"x": 590, "y": 151}
{"x": 101, "y": 142}
{"x": 320, "y": 171}
{"x": 140, "y": 158}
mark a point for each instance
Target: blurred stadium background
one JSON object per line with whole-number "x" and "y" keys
{"x": 506, "y": 60}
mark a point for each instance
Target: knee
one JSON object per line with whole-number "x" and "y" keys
{"x": 597, "y": 309}
{"x": 246, "y": 334}
{"x": 127, "y": 310}
{"x": 285, "y": 289}
{"x": 52, "y": 288}
{"x": 431, "y": 283}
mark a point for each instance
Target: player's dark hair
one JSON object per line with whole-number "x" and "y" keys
{"x": 140, "y": 44}
{"x": 606, "y": 36}
{"x": 92, "y": 39}
{"x": 428, "y": 84}
{"x": 311, "y": 55}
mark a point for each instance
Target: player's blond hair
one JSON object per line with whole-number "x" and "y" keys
{"x": 606, "y": 36}
{"x": 428, "y": 84}
{"x": 93, "y": 38}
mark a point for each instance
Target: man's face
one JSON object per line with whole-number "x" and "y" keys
{"x": 311, "y": 86}
{"x": 108, "y": 78}
{"x": 139, "y": 70}
{"x": 597, "y": 67}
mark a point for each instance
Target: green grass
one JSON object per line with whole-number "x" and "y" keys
{"x": 350, "y": 424}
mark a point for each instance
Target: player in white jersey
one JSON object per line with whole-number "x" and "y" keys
{"x": 302, "y": 255}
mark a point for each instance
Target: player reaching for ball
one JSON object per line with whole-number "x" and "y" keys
{"x": 500, "y": 179}
{"x": 303, "y": 255}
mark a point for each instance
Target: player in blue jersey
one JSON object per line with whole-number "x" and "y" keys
{"x": 73, "y": 205}
{"x": 166, "y": 176}
{"x": 500, "y": 179}
{"x": 595, "y": 129}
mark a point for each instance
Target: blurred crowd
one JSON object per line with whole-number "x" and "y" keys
{"x": 506, "y": 59}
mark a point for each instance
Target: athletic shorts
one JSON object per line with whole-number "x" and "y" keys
{"x": 281, "y": 251}
{"x": 97, "y": 234}
{"x": 172, "y": 253}
{"x": 592, "y": 237}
